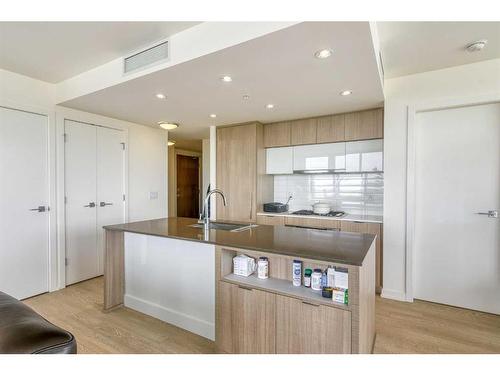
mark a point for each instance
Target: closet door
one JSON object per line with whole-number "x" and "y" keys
{"x": 81, "y": 203}
{"x": 110, "y": 183}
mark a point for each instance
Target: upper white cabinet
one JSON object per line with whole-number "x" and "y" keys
{"x": 319, "y": 157}
{"x": 365, "y": 156}
{"x": 279, "y": 160}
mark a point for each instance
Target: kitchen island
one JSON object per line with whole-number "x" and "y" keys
{"x": 182, "y": 274}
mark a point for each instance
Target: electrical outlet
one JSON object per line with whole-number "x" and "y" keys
{"x": 153, "y": 195}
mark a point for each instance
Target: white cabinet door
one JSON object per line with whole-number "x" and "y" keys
{"x": 110, "y": 184}
{"x": 365, "y": 156}
{"x": 321, "y": 157}
{"x": 279, "y": 160}
{"x": 81, "y": 202}
{"x": 24, "y": 186}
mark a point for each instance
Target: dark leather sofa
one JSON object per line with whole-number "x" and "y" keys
{"x": 23, "y": 331}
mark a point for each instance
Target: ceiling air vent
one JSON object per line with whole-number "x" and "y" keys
{"x": 153, "y": 55}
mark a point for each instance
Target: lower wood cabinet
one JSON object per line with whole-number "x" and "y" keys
{"x": 270, "y": 220}
{"x": 302, "y": 327}
{"x": 245, "y": 320}
{"x": 253, "y": 321}
{"x": 312, "y": 222}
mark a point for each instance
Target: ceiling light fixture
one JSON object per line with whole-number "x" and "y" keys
{"x": 476, "y": 46}
{"x": 323, "y": 54}
{"x": 270, "y": 106}
{"x": 226, "y": 79}
{"x": 346, "y": 92}
{"x": 171, "y": 142}
{"x": 168, "y": 125}
{"x": 213, "y": 115}
{"x": 161, "y": 96}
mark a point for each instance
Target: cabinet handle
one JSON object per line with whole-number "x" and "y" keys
{"x": 310, "y": 304}
{"x": 244, "y": 287}
{"x": 251, "y": 204}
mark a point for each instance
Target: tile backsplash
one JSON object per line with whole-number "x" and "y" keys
{"x": 361, "y": 193}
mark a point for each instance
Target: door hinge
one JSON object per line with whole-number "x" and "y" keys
{"x": 65, "y": 137}
{"x": 65, "y": 200}
{"x": 123, "y": 145}
{"x": 124, "y": 197}
{"x": 66, "y": 262}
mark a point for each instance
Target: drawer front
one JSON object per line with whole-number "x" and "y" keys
{"x": 312, "y": 223}
{"x": 270, "y": 220}
{"x": 302, "y": 327}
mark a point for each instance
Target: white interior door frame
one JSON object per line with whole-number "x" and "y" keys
{"x": 61, "y": 115}
{"x": 413, "y": 110}
{"x": 51, "y": 182}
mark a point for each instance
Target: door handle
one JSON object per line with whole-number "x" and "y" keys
{"x": 244, "y": 287}
{"x": 102, "y": 204}
{"x": 39, "y": 209}
{"x": 310, "y": 304}
{"x": 91, "y": 204}
{"x": 491, "y": 213}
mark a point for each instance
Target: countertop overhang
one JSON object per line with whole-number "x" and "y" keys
{"x": 325, "y": 245}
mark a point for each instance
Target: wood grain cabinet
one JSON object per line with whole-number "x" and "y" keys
{"x": 246, "y": 321}
{"x": 330, "y": 129}
{"x": 277, "y": 134}
{"x": 364, "y": 125}
{"x": 371, "y": 228}
{"x": 312, "y": 223}
{"x": 270, "y": 220}
{"x": 302, "y": 327}
{"x": 241, "y": 175}
{"x": 303, "y": 132}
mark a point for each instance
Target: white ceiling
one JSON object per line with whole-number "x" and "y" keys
{"x": 278, "y": 68}
{"x": 55, "y": 51}
{"x": 415, "y": 47}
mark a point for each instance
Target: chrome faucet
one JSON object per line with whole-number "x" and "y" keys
{"x": 204, "y": 218}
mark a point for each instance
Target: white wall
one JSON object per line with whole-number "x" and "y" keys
{"x": 461, "y": 82}
{"x": 16, "y": 89}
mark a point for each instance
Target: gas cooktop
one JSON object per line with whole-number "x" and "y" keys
{"x": 310, "y": 212}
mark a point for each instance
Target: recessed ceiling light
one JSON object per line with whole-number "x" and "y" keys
{"x": 171, "y": 142}
{"x": 161, "y": 96}
{"x": 476, "y": 46}
{"x": 246, "y": 97}
{"x": 346, "y": 92}
{"x": 323, "y": 54}
{"x": 226, "y": 79}
{"x": 270, "y": 106}
{"x": 213, "y": 115}
{"x": 168, "y": 125}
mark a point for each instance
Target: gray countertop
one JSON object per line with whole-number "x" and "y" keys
{"x": 330, "y": 246}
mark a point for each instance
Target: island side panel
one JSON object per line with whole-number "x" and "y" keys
{"x": 367, "y": 281}
{"x": 114, "y": 269}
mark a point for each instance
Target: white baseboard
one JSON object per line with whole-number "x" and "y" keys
{"x": 393, "y": 294}
{"x": 176, "y": 318}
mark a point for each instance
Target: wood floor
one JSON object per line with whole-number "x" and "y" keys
{"x": 419, "y": 327}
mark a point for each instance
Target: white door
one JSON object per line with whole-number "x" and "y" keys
{"x": 110, "y": 183}
{"x": 82, "y": 255}
{"x": 457, "y": 176}
{"x": 24, "y": 187}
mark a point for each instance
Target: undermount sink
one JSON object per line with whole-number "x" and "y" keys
{"x": 226, "y": 226}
